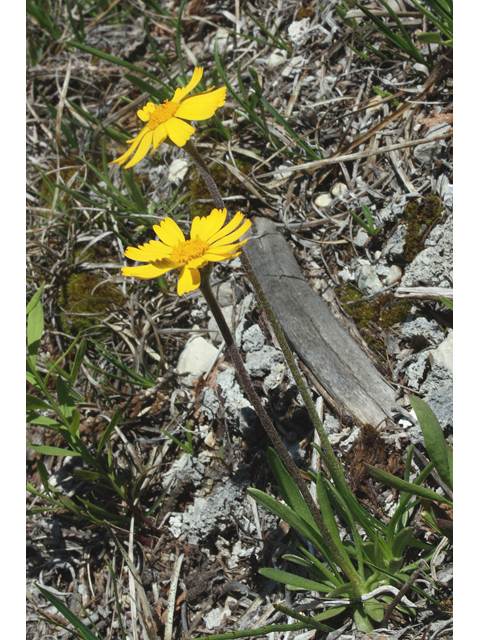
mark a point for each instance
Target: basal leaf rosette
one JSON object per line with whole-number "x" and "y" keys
{"x": 210, "y": 241}
{"x": 167, "y": 120}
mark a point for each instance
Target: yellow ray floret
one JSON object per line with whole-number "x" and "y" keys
{"x": 167, "y": 120}
{"x": 209, "y": 241}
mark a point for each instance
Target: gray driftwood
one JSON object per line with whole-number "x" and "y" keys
{"x": 347, "y": 378}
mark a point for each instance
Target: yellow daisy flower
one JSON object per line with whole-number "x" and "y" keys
{"x": 210, "y": 241}
{"x": 163, "y": 121}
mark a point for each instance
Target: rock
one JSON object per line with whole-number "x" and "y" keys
{"x": 432, "y": 267}
{"x": 186, "y": 465}
{"x": 236, "y": 407}
{"x": 443, "y": 354}
{"x": 430, "y": 150}
{"x": 226, "y": 292}
{"x": 275, "y": 60}
{"x": 330, "y": 424}
{"x": 396, "y": 244}
{"x": 213, "y": 330}
{"x": 414, "y": 370}
{"x": 338, "y": 189}
{"x": 294, "y": 65}
{"x": 361, "y": 238}
{"x": 298, "y": 31}
{"x": 253, "y": 339}
{"x": 394, "y": 274}
{"x": 259, "y": 363}
{"x": 178, "y": 170}
{"x": 439, "y": 377}
{"x": 196, "y": 358}
{"x": 367, "y": 279}
{"x": 440, "y": 401}
{"x": 346, "y": 275}
{"x": 422, "y": 332}
{"x": 213, "y": 515}
{"x": 323, "y": 200}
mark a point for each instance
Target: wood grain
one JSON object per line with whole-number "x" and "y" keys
{"x": 347, "y": 378}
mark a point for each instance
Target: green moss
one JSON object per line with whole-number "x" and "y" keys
{"x": 420, "y": 218}
{"x": 384, "y": 311}
{"x": 82, "y": 293}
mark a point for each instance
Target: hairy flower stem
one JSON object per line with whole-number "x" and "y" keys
{"x": 333, "y": 464}
{"x": 268, "y": 425}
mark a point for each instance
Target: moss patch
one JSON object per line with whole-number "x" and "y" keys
{"x": 83, "y": 294}
{"x": 384, "y": 310}
{"x": 420, "y": 217}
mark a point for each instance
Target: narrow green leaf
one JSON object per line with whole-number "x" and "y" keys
{"x": 34, "y": 418}
{"x": 83, "y": 630}
{"x": 288, "y": 489}
{"x": 448, "y": 303}
{"x": 401, "y": 485}
{"x": 297, "y": 582}
{"x": 35, "y": 326}
{"x": 434, "y": 439}
{"x": 75, "y": 423}
{"x": 52, "y": 451}
{"x": 35, "y": 299}
{"x": 108, "y": 431}
{"x": 82, "y": 348}
{"x": 32, "y": 402}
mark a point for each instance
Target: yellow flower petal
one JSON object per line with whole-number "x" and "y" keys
{"x": 135, "y": 142}
{"x": 189, "y": 280}
{"x": 231, "y": 226}
{"x": 205, "y": 227}
{"x": 169, "y": 232}
{"x": 145, "y": 272}
{"x": 145, "y": 113}
{"x": 223, "y": 253}
{"x": 181, "y": 93}
{"x": 232, "y": 237}
{"x": 151, "y": 251}
{"x": 142, "y": 150}
{"x": 179, "y": 131}
{"x": 202, "y": 105}
{"x": 159, "y": 136}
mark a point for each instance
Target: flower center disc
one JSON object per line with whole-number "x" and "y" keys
{"x": 162, "y": 113}
{"x": 188, "y": 250}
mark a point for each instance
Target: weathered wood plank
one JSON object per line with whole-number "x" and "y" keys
{"x": 344, "y": 372}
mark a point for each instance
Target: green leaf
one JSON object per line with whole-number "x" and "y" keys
{"x": 297, "y": 582}
{"x": 51, "y": 451}
{"x": 108, "y": 431}
{"x": 82, "y": 348}
{"x": 401, "y": 485}
{"x": 448, "y": 303}
{"x": 75, "y": 423}
{"x": 35, "y": 326}
{"x": 65, "y": 400}
{"x": 293, "y": 519}
{"x": 84, "y": 631}
{"x": 401, "y": 540}
{"x": 35, "y": 299}
{"x": 32, "y": 402}
{"x": 434, "y": 440}
{"x": 287, "y": 487}
{"x": 34, "y": 418}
